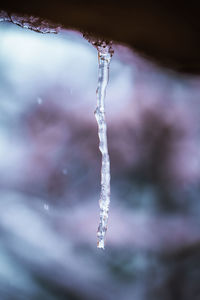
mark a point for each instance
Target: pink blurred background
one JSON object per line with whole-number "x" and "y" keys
{"x": 50, "y": 173}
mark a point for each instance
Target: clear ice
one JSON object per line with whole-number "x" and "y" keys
{"x": 105, "y": 53}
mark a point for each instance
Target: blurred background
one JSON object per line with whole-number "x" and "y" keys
{"x": 50, "y": 174}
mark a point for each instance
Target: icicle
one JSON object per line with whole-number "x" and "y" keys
{"x": 104, "y": 55}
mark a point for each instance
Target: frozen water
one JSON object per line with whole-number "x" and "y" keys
{"x": 30, "y": 22}
{"x": 104, "y": 55}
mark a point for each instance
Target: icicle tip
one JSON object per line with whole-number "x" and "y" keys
{"x": 100, "y": 244}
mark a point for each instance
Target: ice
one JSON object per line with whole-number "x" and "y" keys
{"x": 30, "y": 22}
{"x": 105, "y": 53}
